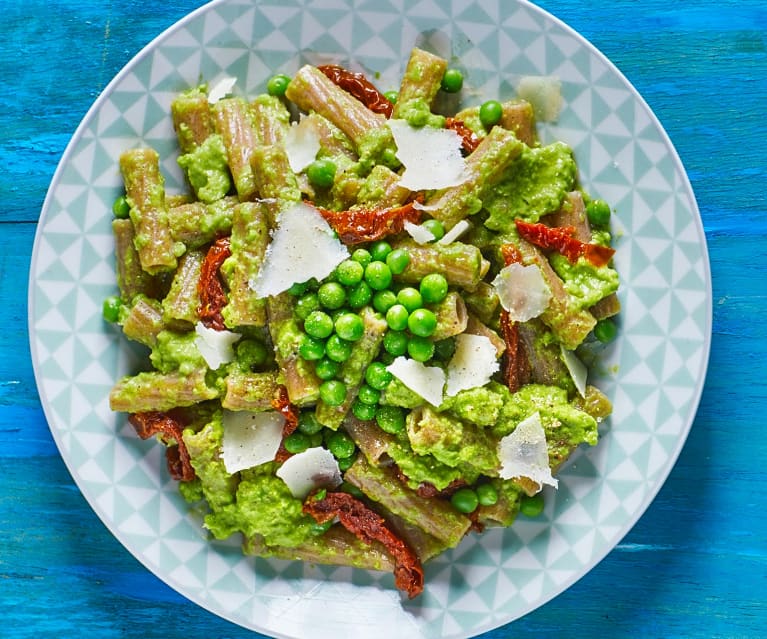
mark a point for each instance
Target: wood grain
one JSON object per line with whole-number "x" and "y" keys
{"x": 695, "y": 565}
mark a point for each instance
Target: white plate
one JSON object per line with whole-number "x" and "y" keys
{"x": 653, "y": 373}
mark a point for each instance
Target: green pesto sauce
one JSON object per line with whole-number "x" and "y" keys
{"x": 177, "y": 352}
{"x": 535, "y": 185}
{"x": 417, "y": 113}
{"x": 480, "y": 406}
{"x": 422, "y": 468}
{"x": 397, "y": 394}
{"x": 452, "y": 442}
{"x": 372, "y": 149}
{"x": 216, "y": 484}
{"x": 566, "y": 426}
{"x": 263, "y": 506}
{"x": 584, "y": 281}
{"x": 207, "y": 169}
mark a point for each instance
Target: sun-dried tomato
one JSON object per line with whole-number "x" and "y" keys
{"x": 369, "y": 526}
{"x": 357, "y": 85}
{"x": 210, "y": 287}
{"x": 150, "y": 423}
{"x": 515, "y": 363}
{"x": 356, "y": 226}
{"x": 562, "y": 239}
{"x": 281, "y": 403}
{"x": 469, "y": 140}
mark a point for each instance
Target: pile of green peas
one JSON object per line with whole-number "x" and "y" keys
{"x": 310, "y": 434}
{"x": 332, "y": 324}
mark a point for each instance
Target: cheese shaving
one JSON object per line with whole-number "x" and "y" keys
{"x": 302, "y": 246}
{"x": 577, "y": 370}
{"x": 250, "y": 439}
{"x": 426, "y": 381}
{"x": 221, "y": 89}
{"x": 454, "y": 233}
{"x": 419, "y": 233}
{"x": 216, "y": 347}
{"x": 302, "y": 142}
{"x": 522, "y": 291}
{"x": 311, "y": 469}
{"x": 544, "y": 93}
{"x": 432, "y": 157}
{"x": 524, "y": 453}
{"x": 473, "y": 363}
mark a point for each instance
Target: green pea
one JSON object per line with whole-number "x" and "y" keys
{"x": 384, "y": 300}
{"x": 396, "y": 317}
{"x": 251, "y": 353}
{"x": 349, "y": 272}
{"x": 346, "y": 462}
{"x": 395, "y": 342}
{"x": 318, "y": 324}
{"x": 398, "y": 260}
{"x": 390, "y": 419}
{"x": 378, "y": 275}
{"x": 363, "y": 412}
{"x": 322, "y": 173}
{"x": 333, "y": 392}
{"x": 422, "y": 322}
{"x": 296, "y": 442}
{"x": 331, "y": 295}
{"x": 340, "y": 444}
{"x": 110, "y": 309}
{"x": 391, "y": 96}
{"x": 377, "y": 376}
{"x": 605, "y": 330}
{"x": 308, "y": 424}
{"x": 421, "y": 349}
{"x": 452, "y": 81}
{"x": 368, "y": 395}
{"x": 465, "y": 500}
{"x": 311, "y": 348}
{"x": 360, "y": 295}
{"x": 379, "y": 250}
{"x": 277, "y": 85}
{"x": 316, "y": 439}
{"x": 490, "y": 113}
{"x": 326, "y": 368}
{"x": 121, "y": 208}
{"x": 306, "y": 304}
{"x": 598, "y": 212}
{"x": 487, "y": 495}
{"x": 410, "y": 298}
{"x": 349, "y": 326}
{"x": 435, "y": 227}
{"x": 433, "y": 288}
{"x": 338, "y": 349}
{"x": 531, "y": 506}
{"x": 362, "y": 256}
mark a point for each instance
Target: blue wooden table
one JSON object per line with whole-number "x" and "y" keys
{"x": 695, "y": 565}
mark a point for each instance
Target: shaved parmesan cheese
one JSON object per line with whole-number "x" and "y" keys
{"x": 432, "y": 157}
{"x": 577, "y": 369}
{"x": 419, "y": 233}
{"x": 544, "y": 93}
{"x": 473, "y": 363}
{"x": 426, "y": 381}
{"x": 313, "y": 468}
{"x": 250, "y": 439}
{"x": 221, "y": 89}
{"x": 302, "y": 142}
{"x": 215, "y": 346}
{"x": 524, "y": 453}
{"x": 454, "y": 233}
{"x": 522, "y": 291}
{"x": 303, "y": 246}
